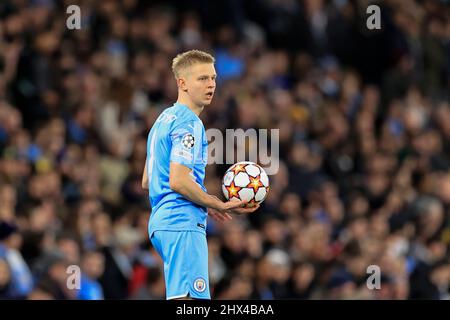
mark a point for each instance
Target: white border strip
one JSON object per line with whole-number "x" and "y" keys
{"x": 180, "y": 296}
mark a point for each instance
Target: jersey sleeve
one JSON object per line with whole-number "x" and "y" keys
{"x": 186, "y": 139}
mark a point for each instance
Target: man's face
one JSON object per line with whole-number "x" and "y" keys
{"x": 199, "y": 81}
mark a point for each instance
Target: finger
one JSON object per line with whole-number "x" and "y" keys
{"x": 251, "y": 208}
{"x": 255, "y": 206}
{"x": 246, "y": 210}
{"x": 227, "y": 216}
{"x": 243, "y": 203}
{"x": 235, "y": 204}
{"x": 214, "y": 216}
{"x": 218, "y": 215}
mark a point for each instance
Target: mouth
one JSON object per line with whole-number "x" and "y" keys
{"x": 209, "y": 95}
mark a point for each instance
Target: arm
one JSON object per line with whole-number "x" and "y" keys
{"x": 182, "y": 159}
{"x": 145, "y": 177}
{"x": 181, "y": 182}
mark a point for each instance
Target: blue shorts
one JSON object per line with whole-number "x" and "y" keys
{"x": 185, "y": 257}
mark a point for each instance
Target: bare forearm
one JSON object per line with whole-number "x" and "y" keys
{"x": 192, "y": 191}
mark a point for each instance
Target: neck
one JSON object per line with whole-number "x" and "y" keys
{"x": 187, "y": 102}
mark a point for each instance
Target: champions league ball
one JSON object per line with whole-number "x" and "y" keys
{"x": 246, "y": 181}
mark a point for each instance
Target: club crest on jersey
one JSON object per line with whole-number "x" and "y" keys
{"x": 199, "y": 285}
{"x": 188, "y": 141}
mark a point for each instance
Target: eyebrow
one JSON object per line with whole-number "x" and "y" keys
{"x": 205, "y": 75}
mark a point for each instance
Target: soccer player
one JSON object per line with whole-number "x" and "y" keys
{"x": 174, "y": 172}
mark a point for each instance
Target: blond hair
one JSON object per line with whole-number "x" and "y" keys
{"x": 188, "y": 59}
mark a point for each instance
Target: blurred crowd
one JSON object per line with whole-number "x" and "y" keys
{"x": 364, "y": 119}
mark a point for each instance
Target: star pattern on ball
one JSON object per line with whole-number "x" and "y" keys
{"x": 255, "y": 183}
{"x": 233, "y": 190}
{"x": 238, "y": 168}
{"x": 246, "y": 181}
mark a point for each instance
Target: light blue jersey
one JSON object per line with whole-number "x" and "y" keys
{"x": 178, "y": 135}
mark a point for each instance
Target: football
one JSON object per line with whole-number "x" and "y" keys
{"x": 246, "y": 181}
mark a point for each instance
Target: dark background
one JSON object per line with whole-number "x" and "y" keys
{"x": 364, "y": 121}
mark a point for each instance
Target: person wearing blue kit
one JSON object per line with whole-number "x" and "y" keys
{"x": 177, "y": 154}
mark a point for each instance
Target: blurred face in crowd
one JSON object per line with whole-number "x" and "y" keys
{"x": 303, "y": 276}
{"x": 431, "y": 220}
{"x": 198, "y": 83}
{"x": 39, "y": 294}
{"x": 274, "y": 231}
{"x": 102, "y": 228}
{"x": 57, "y": 271}
{"x": 239, "y": 288}
{"x": 291, "y": 204}
{"x": 5, "y": 275}
{"x": 14, "y": 241}
{"x": 234, "y": 237}
{"x": 93, "y": 264}
{"x": 70, "y": 249}
{"x": 8, "y": 196}
{"x": 263, "y": 271}
{"x": 443, "y": 190}
{"x": 440, "y": 276}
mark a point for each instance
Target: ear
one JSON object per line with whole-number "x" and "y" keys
{"x": 182, "y": 84}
